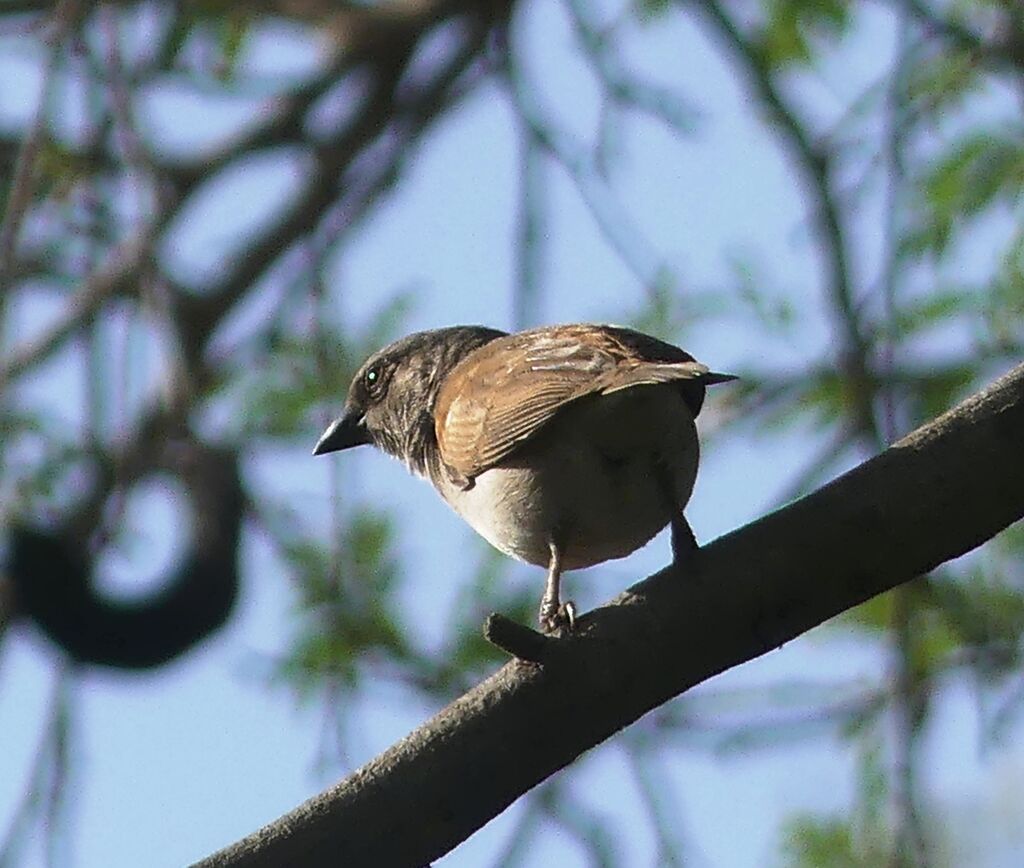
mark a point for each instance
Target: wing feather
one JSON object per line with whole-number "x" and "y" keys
{"x": 506, "y": 391}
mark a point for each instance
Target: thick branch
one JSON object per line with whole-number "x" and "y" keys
{"x": 931, "y": 497}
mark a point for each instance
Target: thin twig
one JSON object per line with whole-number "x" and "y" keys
{"x": 23, "y": 183}
{"x": 43, "y": 770}
{"x": 57, "y": 806}
{"x": 624, "y": 86}
{"x": 531, "y": 238}
{"x": 815, "y": 165}
{"x": 996, "y": 54}
{"x": 120, "y": 268}
{"x": 625, "y": 237}
{"x": 655, "y": 793}
{"x": 137, "y": 156}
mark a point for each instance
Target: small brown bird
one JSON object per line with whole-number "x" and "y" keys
{"x": 563, "y": 446}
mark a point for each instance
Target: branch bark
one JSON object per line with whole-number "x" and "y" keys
{"x": 933, "y": 496}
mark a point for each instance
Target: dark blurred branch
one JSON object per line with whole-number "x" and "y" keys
{"x": 281, "y": 123}
{"x": 23, "y": 7}
{"x": 518, "y": 843}
{"x": 936, "y": 494}
{"x": 911, "y": 696}
{"x": 791, "y": 712}
{"x": 23, "y": 182}
{"x": 531, "y": 237}
{"x": 597, "y": 194}
{"x": 115, "y": 276}
{"x": 41, "y": 796}
{"x": 1002, "y": 52}
{"x": 352, "y": 169}
{"x": 137, "y": 156}
{"x": 655, "y": 791}
{"x": 621, "y": 84}
{"x": 698, "y": 721}
{"x": 51, "y": 570}
{"x": 826, "y": 456}
{"x": 581, "y": 822}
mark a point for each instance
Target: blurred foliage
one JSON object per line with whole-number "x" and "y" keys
{"x": 286, "y": 401}
{"x": 794, "y": 29}
{"x": 932, "y": 148}
{"x": 346, "y": 605}
{"x": 977, "y": 172}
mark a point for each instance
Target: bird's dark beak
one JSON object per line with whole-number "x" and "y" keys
{"x": 343, "y": 433}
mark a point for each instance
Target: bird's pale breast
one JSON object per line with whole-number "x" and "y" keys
{"x": 602, "y": 478}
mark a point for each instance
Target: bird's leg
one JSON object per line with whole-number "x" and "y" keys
{"x": 554, "y": 615}
{"x": 684, "y": 543}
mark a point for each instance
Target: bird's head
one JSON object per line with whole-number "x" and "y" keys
{"x": 391, "y": 400}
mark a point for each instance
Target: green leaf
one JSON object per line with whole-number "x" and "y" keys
{"x": 1002, "y": 302}
{"x": 934, "y": 310}
{"x": 940, "y": 82}
{"x": 935, "y": 390}
{"x": 982, "y": 607}
{"x": 817, "y": 842}
{"x": 981, "y": 169}
{"x": 346, "y": 607}
{"x": 791, "y": 26}
{"x": 232, "y": 29}
{"x": 648, "y": 11}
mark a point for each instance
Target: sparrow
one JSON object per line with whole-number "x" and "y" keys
{"x": 562, "y": 446}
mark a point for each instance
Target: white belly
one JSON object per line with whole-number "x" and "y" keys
{"x": 602, "y": 479}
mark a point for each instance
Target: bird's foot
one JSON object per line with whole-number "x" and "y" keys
{"x": 557, "y": 617}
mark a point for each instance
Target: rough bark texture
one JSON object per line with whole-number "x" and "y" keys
{"x": 938, "y": 493}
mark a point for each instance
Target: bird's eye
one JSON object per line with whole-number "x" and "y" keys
{"x": 372, "y": 379}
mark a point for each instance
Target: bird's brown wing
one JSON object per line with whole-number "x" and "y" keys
{"x": 503, "y": 393}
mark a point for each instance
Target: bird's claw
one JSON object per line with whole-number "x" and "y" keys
{"x": 555, "y": 618}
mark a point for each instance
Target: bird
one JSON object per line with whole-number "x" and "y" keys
{"x": 563, "y": 446}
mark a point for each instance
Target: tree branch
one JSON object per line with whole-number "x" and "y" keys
{"x": 120, "y": 269}
{"x": 998, "y": 52}
{"x": 814, "y": 162}
{"x": 24, "y": 179}
{"x": 936, "y": 494}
